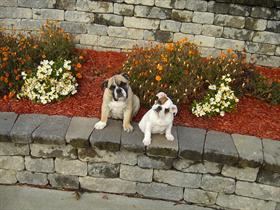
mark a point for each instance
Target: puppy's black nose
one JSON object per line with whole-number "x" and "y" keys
{"x": 119, "y": 91}
{"x": 158, "y": 109}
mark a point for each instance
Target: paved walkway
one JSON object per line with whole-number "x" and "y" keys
{"x": 28, "y": 198}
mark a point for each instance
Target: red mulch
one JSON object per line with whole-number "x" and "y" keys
{"x": 252, "y": 116}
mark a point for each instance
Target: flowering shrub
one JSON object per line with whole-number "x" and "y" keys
{"x": 52, "y": 81}
{"x": 219, "y": 99}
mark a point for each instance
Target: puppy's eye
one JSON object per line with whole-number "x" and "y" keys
{"x": 166, "y": 110}
{"x": 122, "y": 84}
{"x": 112, "y": 87}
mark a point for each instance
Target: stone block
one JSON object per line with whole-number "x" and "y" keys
{"x": 218, "y": 184}
{"x": 27, "y": 177}
{"x": 205, "y": 41}
{"x": 160, "y": 146}
{"x": 277, "y": 52}
{"x": 178, "y": 4}
{"x": 154, "y": 162}
{"x": 77, "y": 16}
{"x": 74, "y": 28}
{"x": 176, "y": 178}
{"x": 96, "y": 29}
{"x": 204, "y": 167}
{"x": 211, "y": 30}
{"x": 152, "y": 12}
{"x": 109, "y": 19}
{"x": 142, "y": 23}
{"x": 65, "y": 4}
{"x": 37, "y": 3}
{"x": 134, "y": 173}
{"x": 165, "y": 3}
{"x": 108, "y": 185}
{"x": 203, "y": 17}
{"x": 14, "y": 12}
{"x": 170, "y": 25}
{"x": 222, "y": 43}
{"x": 7, "y": 176}
{"x": 273, "y": 26}
{"x": 264, "y": 60}
{"x": 87, "y": 39}
{"x": 7, "y": 120}
{"x": 142, "y": 2}
{"x": 163, "y": 36}
{"x": 109, "y": 137}
{"x": 196, "y": 5}
{"x": 116, "y": 42}
{"x": 269, "y": 178}
{"x": 79, "y": 131}
{"x": 249, "y": 149}
{"x": 149, "y": 35}
{"x": 9, "y": 3}
{"x": 245, "y": 174}
{"x": 70, "y": 167}
{"x": 179, "y": 36}
{"x": 191, "y": 142}
{"x": 53, "y": 151}
{"x": 271, "y": 150}
{"x": 200, "y": 196}
{"x": 133, "y": 141}
{"x": 255, "y": 24}
{"x": 24, "y": 127}
{"x": 7, "y": 148}
{"x": 217, "y": 7}
{"x": 39, "y": 164}
{"x": 268, "y": 49}
{"x": 161, "y": 191}
{"x": 48, "y": 14}
{"x": 267, "y": 37}
{"x": 259, "y": 191}
{"x": 261, "y": 12}
{"x": 239, "y": 202}
{"x": 63, "y": 181}
{"x": 104, "y": 170}
{"x": 123, "y": 9}
{"x": 191, "y": 28}
{"x": 95, "y": 6}
{"x": 182, "y": 15}
{"x": 239, "y": 10}
{"x": 12, "y": 162}
{"x": 229, "y": 21}
{"x": 52, "y": 130}
{"x": 129, "y": 33}
{"x": 238, "y": 34}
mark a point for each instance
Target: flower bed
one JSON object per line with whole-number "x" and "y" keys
{"x": 252, "y": 116}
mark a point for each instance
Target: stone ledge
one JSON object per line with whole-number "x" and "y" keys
{"x": 190, "y": 143}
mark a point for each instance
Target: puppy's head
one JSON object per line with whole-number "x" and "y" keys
{"x": 164, "y": 106}
{"x": 118, "y": 85}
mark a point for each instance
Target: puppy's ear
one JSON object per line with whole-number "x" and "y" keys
{"x": 104, "y": 84}
{"x": 174, "y": 109}
{"x": 125, "y": 75}
{"x": 161, "y": 95}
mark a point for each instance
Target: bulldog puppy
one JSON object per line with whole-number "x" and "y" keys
{"x": 119, "y": 102}
{"x": 159, "y": 119}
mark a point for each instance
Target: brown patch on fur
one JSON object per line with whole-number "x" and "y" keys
{"x": 162, "y": 100}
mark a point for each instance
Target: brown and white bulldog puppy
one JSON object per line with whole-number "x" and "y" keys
{"x": 119, "y": 102}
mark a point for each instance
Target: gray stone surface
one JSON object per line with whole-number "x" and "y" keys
{"x": 134, "y": 173}
{"x": 79, "y": 131}
{"x": 77, "y": 16}
{"x": 109, "y": 137}
{"x": 170, "y": 25}
{"x": 259, "y": 191}
{"x": 249, "y": 149}
{"x": 218, "y": 184}
{"x": 182, "y": 15}
{"x": 8, "y": 176}
{"x": 246, "y": 174}
{"x": 191, "y": 142}
{"x": 222, "y": 43}
{"x": 191, "y": 28}
{"x": 108, "y": 185}
{"x": 39, "y": 164}
{"x": 200, "y": 196}
{"x": 7, "y": 120}
{"x": 255, "y": 24}
{"x": 27, "y": 177}
{"x": 51, "y": 151}
{"x": 154, "y": 162}
{"x": 52, "y": 130}
{"x": 24, "y": 126}
{"x": 237, "y": 34}
{"x": 269, "y": 178}
{"x": 229, "y": 21}
{"x": 12, "y": 162}
{"x": 161, "y": 191}
{"x": 160, "y": 146}
{"x": 123, "y": 9}
{"x": 95, "y": 6}
{"x": 13, "y": 12}
{"x": 211, "y": 30}
{"x": 205, "y": 41}
{"x": 219, "y": 147}
{"x": 271, "y": 151}
{"x": 196, "y": 5}
{"x": 48, "y": 14}
{"x": 63, "y": 181}
{"x": 109, "y": 19}
{"x": 7, "y": 148}
{"x": 133, "y": 141}
{"x": 203, "y": 17}
{"x": 70, "y": 167}
{"x": 122, "y": 32}
{"x": 266, "y": 37}
{"x": 37, "y": 3}
{"x": 273, "y": 26}
{"x": 72, "y": 27}
{"x": 238, "y": 202}
{"x": 97, "y": 29}
{"x": 176, "y": 178}
{"x": 143, "y": 23}
{"x": 103, "y": 170}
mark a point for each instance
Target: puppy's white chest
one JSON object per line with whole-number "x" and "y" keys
{"x": 117, "y": 109}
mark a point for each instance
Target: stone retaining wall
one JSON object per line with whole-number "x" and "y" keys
{"x": 120, "y": 24}
{"x": 207, "y": 168}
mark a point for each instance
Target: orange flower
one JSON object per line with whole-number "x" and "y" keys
{"x": 11, "y": 94}
{"x": 158, "y": 78}
{"x": 229, "y": 50}
{"x": 79, "y": 75}
{"x": 81, "y": 57}
{"x": 78, "y": 65}
{"x": 222, "y": 55}
{"x": 170, "y": 46}
{"x": 234, "y": 56}
{"x": 183, "y": 40}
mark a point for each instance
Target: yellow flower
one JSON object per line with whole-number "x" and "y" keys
{"x": 159, "y": 67}
{"x": 158, "y": 78}
{"x": 170, "y": 46}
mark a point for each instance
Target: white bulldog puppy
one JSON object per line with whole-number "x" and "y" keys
{"x": 159, "y": 119}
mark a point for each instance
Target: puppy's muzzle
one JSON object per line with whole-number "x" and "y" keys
{"x": 158, "y": 109}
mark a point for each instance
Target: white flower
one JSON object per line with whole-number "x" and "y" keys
{"x": 222, "y": 113}
{"x": 212, "y": 87}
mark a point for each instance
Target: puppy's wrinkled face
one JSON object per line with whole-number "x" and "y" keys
{"x": 118, "y": 86}
{"x": 164, "y": 106}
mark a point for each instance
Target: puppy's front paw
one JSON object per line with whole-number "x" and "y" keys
{"x": 147, "y": 141}
{"x": 169, "y": 137}
{"x": 100, "y": 125}
{"x": 128, "y": 128}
